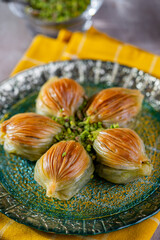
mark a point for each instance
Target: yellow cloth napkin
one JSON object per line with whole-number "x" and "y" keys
{"x": 89, "y": 45}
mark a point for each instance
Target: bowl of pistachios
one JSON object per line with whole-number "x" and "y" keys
{"x": 49, "y": 16}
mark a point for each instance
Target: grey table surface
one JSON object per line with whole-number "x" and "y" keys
{"x": 134, "y": 21}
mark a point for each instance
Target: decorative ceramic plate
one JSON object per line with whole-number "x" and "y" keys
{"x": 100, "y": 207}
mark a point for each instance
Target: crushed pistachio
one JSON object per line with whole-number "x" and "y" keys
{"x": 114, "y": 125}
{"x": 64, "y": 154}
{"x": 80, "y": 130}
{"x": 56, "y": 10}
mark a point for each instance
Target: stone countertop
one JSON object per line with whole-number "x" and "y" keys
{"x": 136, "y": 22}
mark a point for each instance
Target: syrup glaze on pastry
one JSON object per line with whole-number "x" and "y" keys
{"x": 115, "y": 105}
{"x": 28, "y": 134}
{"x": 123, "y": 150}
{"x": 64, "y": 169}
{"x": 59, "y": 97}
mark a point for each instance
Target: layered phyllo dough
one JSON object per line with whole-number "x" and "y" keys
{"x": 115, "y": 105}
{"x": 59, "y": 97}
{"x": 121, "y": 155}
{"x": 28, "y": 134}
{"x": 64, "y": 169}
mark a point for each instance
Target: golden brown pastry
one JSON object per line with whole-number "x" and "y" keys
{"x": 115, "y": 105}
{"x": 121, "y": 155}
{"x": 59, "y": 97}
{"x": 28, "y": 134}
{"x": 64, "y": 169}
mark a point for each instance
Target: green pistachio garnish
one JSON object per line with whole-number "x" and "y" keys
{"x": 80, "y": 130}
{"x": 64, "y": 154}
{"x": 56, "y": 10}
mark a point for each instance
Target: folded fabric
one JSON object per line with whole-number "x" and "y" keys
{"x": 89, "y": 45}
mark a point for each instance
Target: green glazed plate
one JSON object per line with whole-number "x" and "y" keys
{"x": 100, "y": 207}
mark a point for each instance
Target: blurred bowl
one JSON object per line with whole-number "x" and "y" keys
{"x": 82, "y": 22}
